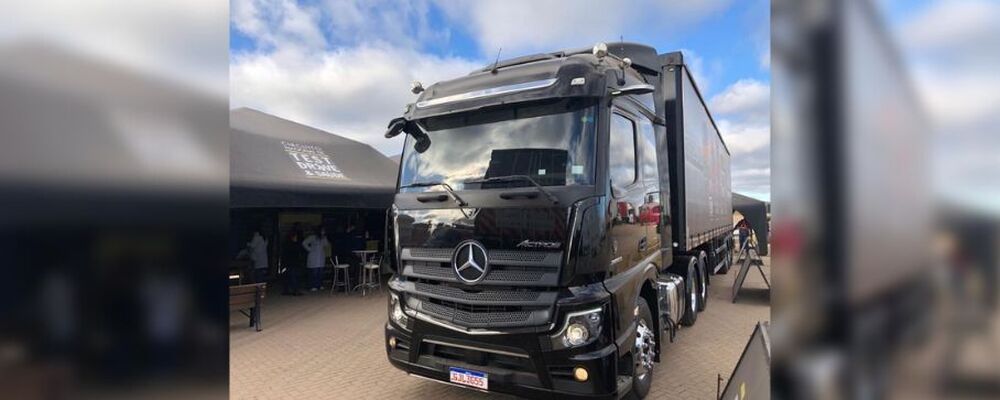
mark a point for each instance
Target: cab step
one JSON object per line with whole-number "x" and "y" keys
{"x": 624, "y": 385}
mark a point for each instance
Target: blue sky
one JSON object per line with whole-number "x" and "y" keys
{"x": 345, "y": 65}
{"x": 729, "y": 40}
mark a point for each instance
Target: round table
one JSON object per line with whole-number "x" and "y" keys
{"x": 363, "y": 255}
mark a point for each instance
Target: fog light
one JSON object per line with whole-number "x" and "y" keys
{"x": 580, "y": 374}
{"x": 392, "y": 342}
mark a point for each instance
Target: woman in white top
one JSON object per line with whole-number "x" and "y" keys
{"x": 257, "y": 247}
{"x": 316, "y": 245}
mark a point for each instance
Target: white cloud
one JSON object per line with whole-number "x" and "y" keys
{"x": 357, "y": 80}
{"x": 945, "y": 25}
{"x": 183, "y": 40}
{"x": 954, "y": 50}
{"x": 742, "y": 112}
{"x": 744, "y": 138}
{"x": 276, "y": 23}
{"x": 352, "y": 88}
{"x": 703, "y": 71}
{"x": 352, "y": 92}
{"x": 749, "y": 98}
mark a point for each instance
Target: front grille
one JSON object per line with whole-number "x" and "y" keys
{"x": 475, "y": 316}
{"x": 488, "y": 296}
{"x": 498, "y": 275}
{"x": 518, "y": 291}
{"x": 517, "y": 256}
{"x": 431, "y": 269}
{"x": 477, "y": 357}
{"x": 431, "y": 253}
{"x": 515, "y": 275}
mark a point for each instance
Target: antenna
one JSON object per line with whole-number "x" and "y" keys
{"x": 497, "y": 62}
{"x": 621, "y": 46}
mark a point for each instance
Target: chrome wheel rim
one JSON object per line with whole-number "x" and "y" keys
{"x": 704, "y": 287}
{"x": 645, "y": 342}
{"x": 693, "y": 295}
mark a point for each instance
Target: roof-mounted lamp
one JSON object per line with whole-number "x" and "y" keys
{"x": 600, "y": 50}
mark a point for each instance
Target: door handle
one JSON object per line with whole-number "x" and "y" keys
{"x": 433, "y": 197}
{"x": 514, "y": 195}
{"x": 642, "y": 244}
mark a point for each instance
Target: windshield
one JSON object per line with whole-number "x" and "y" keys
{"x": 551, "y": 143}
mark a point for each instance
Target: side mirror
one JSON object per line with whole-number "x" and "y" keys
{"x": 395, "y": 127}
{"x": 422, "y": 144}
{"x": 641, "y": 88}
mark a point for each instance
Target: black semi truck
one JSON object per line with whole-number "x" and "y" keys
{"x": 556, "y": 220}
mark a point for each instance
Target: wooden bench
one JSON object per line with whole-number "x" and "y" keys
{"x": 247, "y": 299}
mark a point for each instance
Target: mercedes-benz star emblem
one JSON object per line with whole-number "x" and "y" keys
{"x": 470, "y": 262}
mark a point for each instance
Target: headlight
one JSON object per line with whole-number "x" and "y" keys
{"x": 580, "y": 328}
{"x": 396, "y": 311}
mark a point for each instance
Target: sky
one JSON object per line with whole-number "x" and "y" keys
{"x": 952, "y": 48}
{"x": 346, "y": 66}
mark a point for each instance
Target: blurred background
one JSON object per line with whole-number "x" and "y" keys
{"x": 886, "y": 194}
{"x": 113, "y": 199}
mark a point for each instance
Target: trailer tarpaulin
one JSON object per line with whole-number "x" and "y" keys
{"x": 275, "y": 162}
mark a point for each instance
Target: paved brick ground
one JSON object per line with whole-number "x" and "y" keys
{"x": 318, "y": 346}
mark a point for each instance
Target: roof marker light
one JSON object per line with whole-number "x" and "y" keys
{"x": 600, "y": 50}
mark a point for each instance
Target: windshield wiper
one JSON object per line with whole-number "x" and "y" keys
{"x": 508, "y": 178}
{"x": 447, "y": 188}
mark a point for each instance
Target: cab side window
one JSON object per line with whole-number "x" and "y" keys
{"x": 622, "y": 158}
{"x": 650, "y": 174}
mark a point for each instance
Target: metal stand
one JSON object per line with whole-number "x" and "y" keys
{"x": 748, "y": 256}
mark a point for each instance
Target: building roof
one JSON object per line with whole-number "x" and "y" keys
{"x": 275, "y": 162}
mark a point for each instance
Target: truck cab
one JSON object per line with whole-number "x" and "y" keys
{"x": 530, "y": 249}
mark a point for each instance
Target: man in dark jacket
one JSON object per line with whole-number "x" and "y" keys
{"x": 293, "y": 260}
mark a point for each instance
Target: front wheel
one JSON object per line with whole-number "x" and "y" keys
{"x": 643, "y": 352}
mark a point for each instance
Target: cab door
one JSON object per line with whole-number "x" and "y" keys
{"x": 651, "y": 213}
{"x": 628, "y": 235}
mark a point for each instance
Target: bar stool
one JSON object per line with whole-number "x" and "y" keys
{"x": 342, "y": 271}
{"x": 371, "y": 278}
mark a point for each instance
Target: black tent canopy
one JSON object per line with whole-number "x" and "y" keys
{"x": 755, "y": 212}
{"x": 275, "y": 162}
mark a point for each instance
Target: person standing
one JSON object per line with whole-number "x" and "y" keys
{"x": 291, "y": 260}
{"x": 257, "y": 248}
{"x": 316, "y": 244}
{"x": 744, "y": 228}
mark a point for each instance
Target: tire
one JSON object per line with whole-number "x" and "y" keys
{"x": 702, "y": 281}
{"x": 725, "y": 265}
{"x": 691, "y": 293}
{"x": 642, "y": 376}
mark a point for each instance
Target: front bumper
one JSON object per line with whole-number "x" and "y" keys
{"x": 517, "y": 364}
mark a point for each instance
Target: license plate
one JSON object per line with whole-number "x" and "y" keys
{"x": 466, "y": 377}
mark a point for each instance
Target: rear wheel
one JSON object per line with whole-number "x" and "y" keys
{"x": 691, "y": 293}
{"x": 643, "y": 352}
{"x": 726, "y": 262}
{"x": 702, "y": 281}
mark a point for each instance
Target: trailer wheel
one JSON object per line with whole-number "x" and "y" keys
{"x": 643, "y": 352}
{"x": 702, "y": 281}
{"x": 727, "y": 260}
{"x": 691, "y": 289}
